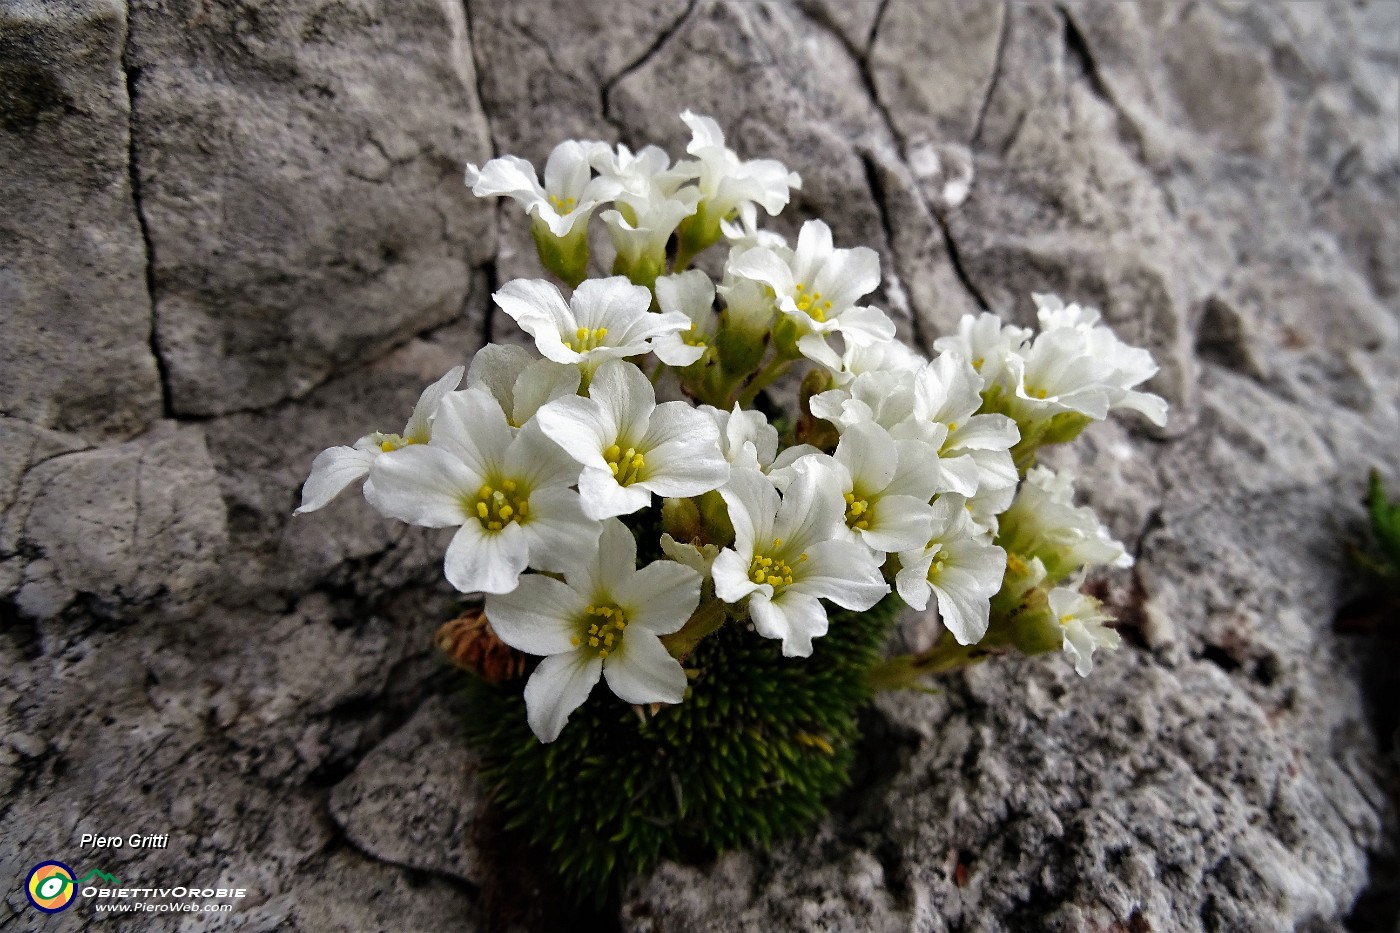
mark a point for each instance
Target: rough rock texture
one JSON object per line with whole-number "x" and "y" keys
{"x": 234, "y": 234}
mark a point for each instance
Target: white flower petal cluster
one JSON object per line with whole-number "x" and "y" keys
{"x": 336, "y": 468}
{"x": 788, "y": 552}
{"x": 657, "y": 383}
{"x": 1081, "y": 619}
{"x": 604, "y": 619}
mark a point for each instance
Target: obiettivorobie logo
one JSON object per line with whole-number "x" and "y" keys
{"x": 53, "y": 886}
{"x": 50, "y": 886}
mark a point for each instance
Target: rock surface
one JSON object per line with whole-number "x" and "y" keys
{"x": 235, "y": 234}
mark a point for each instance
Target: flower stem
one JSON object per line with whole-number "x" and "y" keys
{"x": 704, "y": 621}
{"x": 904, "y": 671}
{"x": 771, "y": 372}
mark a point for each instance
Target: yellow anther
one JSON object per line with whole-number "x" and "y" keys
{"x": 775, "y": 581}
{"x": 575, "y": 641}
{"x": 1067, "y": 618}
{"x": 952, "y": 426}
{"x": 800, "y": 287}
{"x": 605, "y": 635}
{"x": 497, "y": 508}
{"x": 850, "y": 497}
{"x": 626, "y": 465}
{"x": 1039, "y": 393}
{"x": 862, "y": 524}
{"x": 977, "y": 363}
{"x": 777, "y": 542}
{"x": 602, "y": 654}
{"x": 581, "y": 334}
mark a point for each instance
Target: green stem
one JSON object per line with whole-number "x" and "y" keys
{"x": 771, "y": 372}
{"x": 705, "y": 621}
{"x": 904, "y": 671}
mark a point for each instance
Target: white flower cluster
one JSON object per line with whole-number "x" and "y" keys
{"x": 900, "y": 470}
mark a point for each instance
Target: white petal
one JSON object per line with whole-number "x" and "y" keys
{"x": 540, "y": 616}
{"x": 507, "y": 176}
{"x": 471, "y": 426}
{"x": 796, "y": 618}
{"x": 764, "y": 265}
{"x": 691, "y": 293}
{"x": 481, "y": 561}
{"x": 752, "y": 503}
{"x": 812, "y": 508}
{"x": 541, "y": 312}
{"x": 673, "y": 351}
{"x": 912, "y": 579}
{"x": 682, "y": 452}
{"x": 614, "y": 303}
{"x": 495, "y": 368}
{"x": 422, "y": 486}
{"x": 660, "y": 597}
{"x": 604, "y": 498}
{"x": 541, "y": 382}
{"x": 870, "y": 454}
{"x": 731, "y": 576}
{"x": 558, "y": 687}
{"x": 625, "y": 393}
{"x": 613, "y": 562}
{"x": 865, "y": 326}
{"x": 537, "y": 462}
{"x": 420, "y": 426}
{"x": 581, "y": 428}
{"x": 641, "y": 671}
{"x": 331, "y": 471}
{"x": 842, "y": 571}
{"x": 961, "y": 605}
{"x": 560, "y": 535}
{"x": 897, "y": 523}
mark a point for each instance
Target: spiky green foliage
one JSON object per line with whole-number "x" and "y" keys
{"x": 758, "y": 747}
{"x": 1385, "y": 525}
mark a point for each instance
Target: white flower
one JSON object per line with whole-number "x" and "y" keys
{"x": 641, "y": 231}
{"x": 507, "y": 490}
{"x": 337, "y": 467}
{"x": 638, "y": 177}
{"x": 604, "y": 319}
{"x": 1044, "y": 522}
{"x": 692, "y": 294}
{"x": 726, "y": 181}
{"x": 1082, "y": 621}
{"x": 974, "y": 449}
{"x": 817, "y": 286}
{"x": 987, "y": 343}
{"x": 518, "y": 381}
{"x": 885, "y": 398}
{"x": 1129, "y": 366}
{"x": 960, "y": 566}
{"x": 886, "y": 484}
{"x": 604, "y": 620}
{"x": 787, "y": 555}
{"x": 889, "y": 356}
{"x": 743, "y": 231}
{"x": 746, "y": 439}
{"x": 631, "y": 447}
{"x": 568, "y": 196}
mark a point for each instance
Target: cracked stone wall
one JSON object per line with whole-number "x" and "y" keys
{"x": 235, "y": 233}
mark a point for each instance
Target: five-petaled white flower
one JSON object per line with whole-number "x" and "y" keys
{"x": 726, "y": 182}
{"x": 1044, "y": 522}
{"x": 604, "y": 619}
{"x": 960, "y": 566}
{"x": 629, "y": 446}
{"x": 790, "y": 552}
{"x": 1081, "y": 620}
{"x": 507, "y": 489}
{"x": 337, "y": 467}
{"x": 886, "y": 484}
{"x": 568, "y": 197}
{"x": 604, "y": 319}
{"x": 974, "y": 449}
{"x": 817, "y": 286}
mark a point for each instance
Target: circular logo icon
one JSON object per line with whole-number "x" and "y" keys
{"x": 50, "y": 887}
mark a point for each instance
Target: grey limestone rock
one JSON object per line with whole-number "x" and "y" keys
{"x": 262, "y": 201}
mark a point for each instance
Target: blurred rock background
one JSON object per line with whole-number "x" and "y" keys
{"x": 234, "y": 232}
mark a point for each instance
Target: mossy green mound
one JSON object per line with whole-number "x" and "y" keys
{"x": 754, "y": 754}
